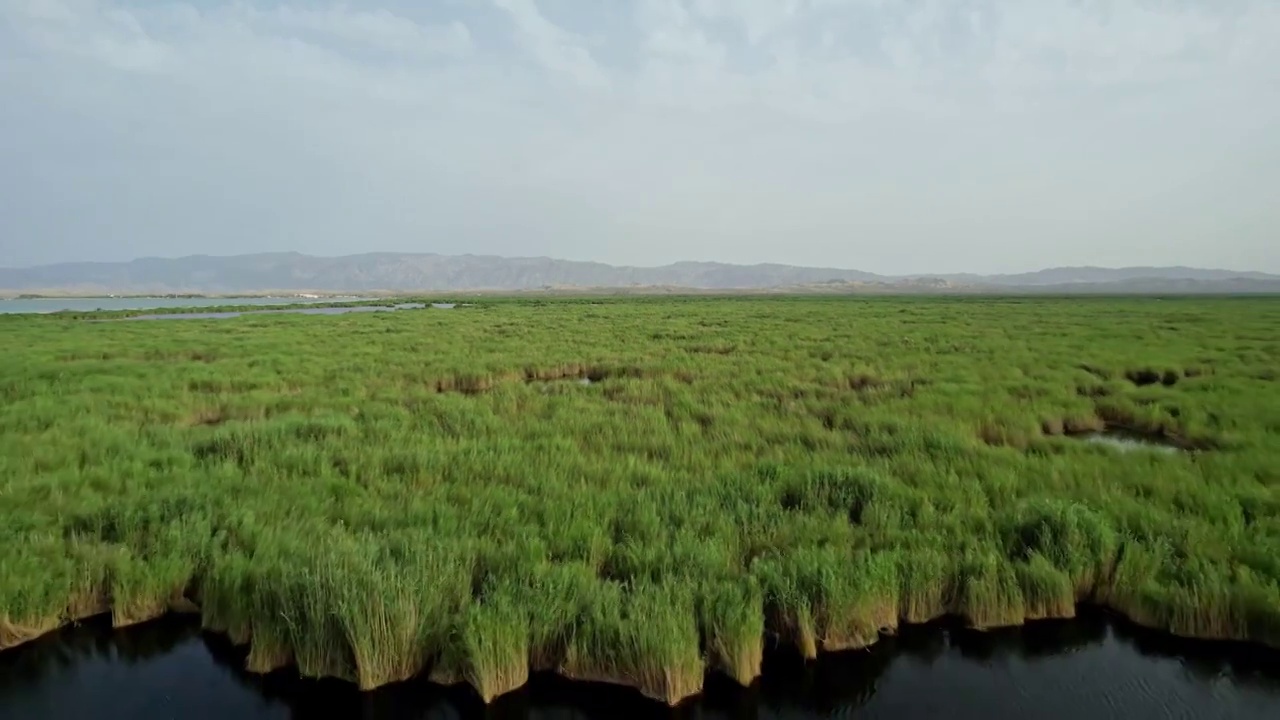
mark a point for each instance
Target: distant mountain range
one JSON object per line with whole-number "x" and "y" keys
{"x": 413, "y": 272}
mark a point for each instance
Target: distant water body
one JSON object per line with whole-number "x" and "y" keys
{"x": 48, "y": 305}
{"x": 296, "y": 310}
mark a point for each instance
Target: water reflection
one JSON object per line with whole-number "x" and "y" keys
{"x": 1091, "y": 667}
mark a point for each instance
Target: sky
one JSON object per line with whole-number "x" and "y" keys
{"x": 905, "y": 136}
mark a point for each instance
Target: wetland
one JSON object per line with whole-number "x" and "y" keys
{"x": 376, "y": 497}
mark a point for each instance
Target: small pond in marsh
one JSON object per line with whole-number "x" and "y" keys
{"x": 547, "y": 385}
{"x": 92, "y": 304}
{"x": 1090, "y": 668}
{"x": 1129, "y": 441}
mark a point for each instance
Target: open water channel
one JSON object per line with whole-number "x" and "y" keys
{"x": 1091, "y": 668}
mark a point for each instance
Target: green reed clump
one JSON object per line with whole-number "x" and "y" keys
{"x": 731, "y": 614}
{"x": 1068, "y": 537}
{"x": 825, "y": 598}
{"x": 644, "y": 635}
{"x": 1047, "y": 591}
{"x": 927, "y": 579}
{"x": 1256, "y": 608}
{"x": 393, "y": 614}
{"x": 37, "y": 586}
{"x": 989, "y": 592}
{"x": 495, "y": 641}
{"x": 557, "y": 601}
{"x": 379, "y": 496}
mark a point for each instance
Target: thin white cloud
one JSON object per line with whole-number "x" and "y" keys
{"x": 377, "y": 29}
{"x": 555, "y": 48}
{"x": 757, "y": 19}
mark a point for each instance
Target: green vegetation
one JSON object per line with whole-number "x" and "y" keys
{"x": 378, "y": 495}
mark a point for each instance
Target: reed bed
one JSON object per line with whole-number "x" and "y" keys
{"x": 639, "y": 490}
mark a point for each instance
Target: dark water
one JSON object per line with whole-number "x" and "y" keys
{"x": 295, "y": 311}
{"x": 1089, "y": 668}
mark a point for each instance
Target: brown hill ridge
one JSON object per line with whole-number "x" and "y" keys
{"x": 418, "y": 272}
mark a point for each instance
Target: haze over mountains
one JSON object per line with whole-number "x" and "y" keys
{"x": 410, "y": 272}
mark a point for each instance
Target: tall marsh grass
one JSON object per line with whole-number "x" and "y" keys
{"x": 380, "y": 496}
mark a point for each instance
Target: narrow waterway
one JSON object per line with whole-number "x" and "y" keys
{"x": 1090, "y": 668}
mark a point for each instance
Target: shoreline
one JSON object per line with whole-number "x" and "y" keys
{"x": 676, "y": 692}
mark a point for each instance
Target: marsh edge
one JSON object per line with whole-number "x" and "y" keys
{"x": 669, "y": 686}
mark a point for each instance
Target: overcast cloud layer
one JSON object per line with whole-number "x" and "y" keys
{"x": 895, "y": 137}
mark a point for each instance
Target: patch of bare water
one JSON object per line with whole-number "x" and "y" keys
{"x": 1128, "y": 441}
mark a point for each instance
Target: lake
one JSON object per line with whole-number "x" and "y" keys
{"x": 1090, "y": 668}
{"x": 47, "y": 305}
{"x": 287, "y": 311}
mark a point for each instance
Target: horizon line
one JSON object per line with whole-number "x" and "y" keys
{"x": 637, "y": 267}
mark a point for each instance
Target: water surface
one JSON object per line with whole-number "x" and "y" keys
{"x": 1090, "y": 668}
{"x": 48, "y": 305}
{"x": 294, "y": 311}
{"x": 1126, "y": 441}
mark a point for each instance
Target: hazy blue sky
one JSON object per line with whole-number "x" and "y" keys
{"x": 891, "y": 136}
